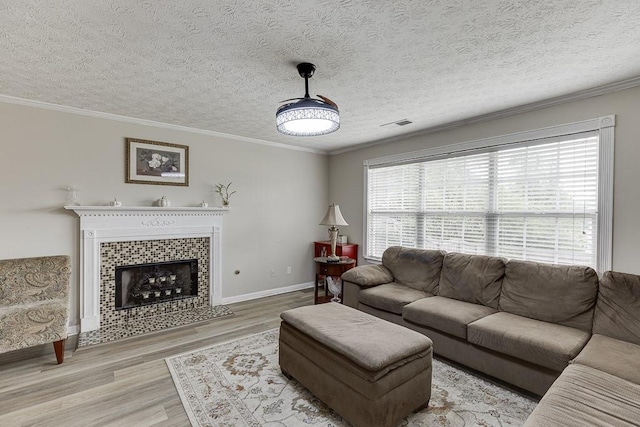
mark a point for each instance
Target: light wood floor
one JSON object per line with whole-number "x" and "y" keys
{"x": 124, "y": 383}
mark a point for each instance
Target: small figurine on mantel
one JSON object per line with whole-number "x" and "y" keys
{"x": 164, "y": 202}
{"x": 72, "y": 196}
{"x": 223, "y": 191}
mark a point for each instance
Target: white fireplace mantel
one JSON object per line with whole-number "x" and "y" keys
{"x": 100, "y": 224}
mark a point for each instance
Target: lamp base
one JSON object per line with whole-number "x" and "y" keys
{"x": 333, "y": 258}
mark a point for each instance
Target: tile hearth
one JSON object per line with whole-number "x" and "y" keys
{"x": 152, "y": 324}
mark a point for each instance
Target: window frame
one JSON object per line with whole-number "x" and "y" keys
{"x": 604, "y": 127}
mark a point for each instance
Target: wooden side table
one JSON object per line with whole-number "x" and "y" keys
{"x": 342, "y": 249}
{"x": 324, "y": 269}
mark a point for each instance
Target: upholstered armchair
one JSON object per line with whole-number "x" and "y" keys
{"x": 34, "y": 303}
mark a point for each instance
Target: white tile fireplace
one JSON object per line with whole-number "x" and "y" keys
{"x": 140, "y": 233}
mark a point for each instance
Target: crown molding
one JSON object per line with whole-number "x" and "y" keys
{"x": 547, "y": 133}
{"x": 558, "y": 100}
{"x": 126, "y": 119}
{"x": 576, "y": 96}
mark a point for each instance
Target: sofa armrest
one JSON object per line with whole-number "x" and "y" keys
{"x": 367, "y": 276}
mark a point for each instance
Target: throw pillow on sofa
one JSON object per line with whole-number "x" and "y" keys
{"x": 416, "y": 268}
{"x": 617, "y": 313}
{"x": 472, "y": 278}
{"x": 561, "y": 294}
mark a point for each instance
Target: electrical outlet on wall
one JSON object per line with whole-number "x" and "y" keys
{"x": 273, "y": 272}
{"x": 289, "y": 270}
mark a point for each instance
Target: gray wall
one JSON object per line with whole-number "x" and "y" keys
{"x": 282, "y": 193}
{"x": 346, "y": 170}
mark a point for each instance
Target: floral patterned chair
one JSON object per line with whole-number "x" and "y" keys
{"x": 34, "y": 303}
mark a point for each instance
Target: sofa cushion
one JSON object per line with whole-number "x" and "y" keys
{"x": 415, "y": 268}
{"x": 562, "y": 294}
{"x": 583, "y": 396}
{"x": 444, "y": 314}
{"x": 619, "y": 358}
{"x": 391, "y": 297}
{"x": 472, "y": 278}
{"x": 368, "y": 275}
{"x": 617, "y": 312}
{"x": 545, "y": 344}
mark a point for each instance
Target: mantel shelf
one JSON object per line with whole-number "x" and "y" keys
{"x": 155, "y": 209}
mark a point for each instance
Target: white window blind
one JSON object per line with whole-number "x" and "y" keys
{"x": 534, "y": 200}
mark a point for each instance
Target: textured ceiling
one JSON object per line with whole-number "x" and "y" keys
{"x": 224, "y": 65}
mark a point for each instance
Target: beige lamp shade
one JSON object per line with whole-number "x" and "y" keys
{"x": 333, "y": 216}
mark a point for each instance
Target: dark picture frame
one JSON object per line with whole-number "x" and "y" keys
{"x": 158, "y": 163}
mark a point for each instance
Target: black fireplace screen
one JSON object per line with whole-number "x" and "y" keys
{"x": 143, "y": 284}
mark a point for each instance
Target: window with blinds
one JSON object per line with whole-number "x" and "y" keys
{"x": 534, "y": 200}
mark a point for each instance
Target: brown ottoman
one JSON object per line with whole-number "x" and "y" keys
{"x": 370, "y": 371}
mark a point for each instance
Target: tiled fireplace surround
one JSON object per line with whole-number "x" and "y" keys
{"x": 114, "y": 236}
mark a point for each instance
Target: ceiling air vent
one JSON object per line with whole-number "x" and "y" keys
{"x": 402, "y": 122}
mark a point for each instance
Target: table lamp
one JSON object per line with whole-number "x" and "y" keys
{"x": 333, "y": 218}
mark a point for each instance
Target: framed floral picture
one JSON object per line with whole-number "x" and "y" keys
{"x": 152, "y": 162}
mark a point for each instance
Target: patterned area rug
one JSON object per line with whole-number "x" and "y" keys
{"x": 239, "y": 383}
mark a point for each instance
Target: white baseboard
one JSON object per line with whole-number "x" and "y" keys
{"x": 267, "y": 293}
{"x": 73, "y": 330}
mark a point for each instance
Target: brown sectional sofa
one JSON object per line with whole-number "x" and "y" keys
{"x": 521, "y": 322}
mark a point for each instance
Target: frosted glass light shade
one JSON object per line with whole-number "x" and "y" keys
{"x": 307, "y": 117}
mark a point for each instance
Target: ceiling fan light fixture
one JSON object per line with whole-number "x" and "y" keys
{"x": 308, "y": 116}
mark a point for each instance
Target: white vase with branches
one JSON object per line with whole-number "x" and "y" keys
{"x": 223, "y": 191}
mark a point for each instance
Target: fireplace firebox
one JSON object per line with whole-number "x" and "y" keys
{"x": 144, "y": 284}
